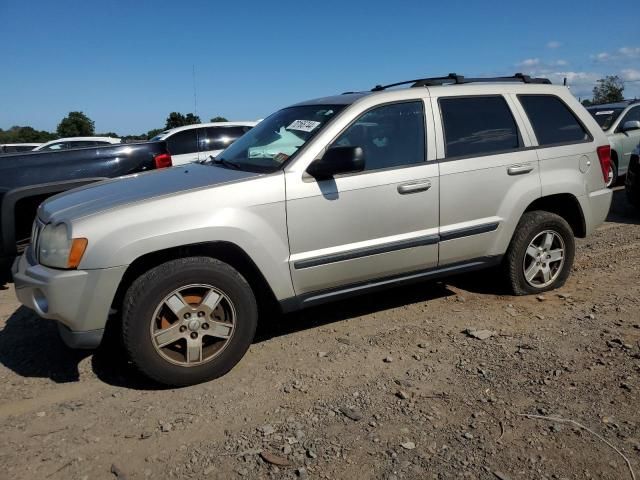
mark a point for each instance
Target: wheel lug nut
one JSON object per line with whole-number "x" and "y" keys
{"x": 194, "y": 335}
{"x": 183, "y": 328}
{"x": 187, "y": 316}
{"x": 201, "y": 314}
{"x": 205, "y": 326}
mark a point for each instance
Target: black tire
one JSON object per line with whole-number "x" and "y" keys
{"x": 147, "y": 292}
{"x": 530, "y": 226}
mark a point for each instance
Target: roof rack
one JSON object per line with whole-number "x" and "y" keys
{"x": 455, "y": 79}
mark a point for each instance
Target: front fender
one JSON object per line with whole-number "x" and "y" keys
{"x": 119, "y": 237}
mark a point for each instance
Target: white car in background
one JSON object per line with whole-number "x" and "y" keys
{"x": 193, "y": 143}
{"x": 77, "y": 142}
{"x": 17, "y": 147}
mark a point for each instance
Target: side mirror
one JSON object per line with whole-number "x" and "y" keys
{"x": 337, "y": 160}
{"x": 631, "y": 125}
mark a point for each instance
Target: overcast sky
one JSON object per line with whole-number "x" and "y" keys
{"x": 127, "y": 64}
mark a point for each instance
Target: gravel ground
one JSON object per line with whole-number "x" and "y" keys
{"x": 389, "y": 386}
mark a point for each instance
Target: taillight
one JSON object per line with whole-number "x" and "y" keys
{"x": 163, "y": 160}
{"x": 604, "y": 155}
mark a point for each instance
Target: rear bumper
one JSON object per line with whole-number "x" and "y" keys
{"x": 79, "y": 300}
{"x": 632, "y": 187}
{"x": 595, "y": 207}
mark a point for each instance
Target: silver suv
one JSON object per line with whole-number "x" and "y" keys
{"x": 322, "y": 200}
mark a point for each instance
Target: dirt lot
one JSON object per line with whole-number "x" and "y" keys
{"x": 384, "y": 386}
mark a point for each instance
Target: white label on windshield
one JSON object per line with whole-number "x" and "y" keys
{"x": 303, "y": 125}
{"x": 604, "y": 112}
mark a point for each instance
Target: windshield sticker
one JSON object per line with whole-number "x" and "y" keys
{"x": 303, "y": 125}
{"x": 604, "y": 112}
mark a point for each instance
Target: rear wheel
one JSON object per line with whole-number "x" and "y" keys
{"x": 188, "y": 320}
{"x": 612, "y": 174}
{"x": 541, "y": 253}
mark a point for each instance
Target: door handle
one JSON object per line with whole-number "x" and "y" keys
{"x": 414, "y": 187}
{"x": 519, "y": 169}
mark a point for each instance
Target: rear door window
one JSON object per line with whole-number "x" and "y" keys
{"x": 183, "y": 142}
{"x": 552, "y": 121}
{"x": 476, "y": 126}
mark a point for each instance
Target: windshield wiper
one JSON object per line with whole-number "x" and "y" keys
{"x": 223, "y": 162}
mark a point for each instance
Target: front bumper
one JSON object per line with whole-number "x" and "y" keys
{"x": 79, "y": 300}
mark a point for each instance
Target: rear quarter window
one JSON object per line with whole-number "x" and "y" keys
{"x": 552, "y": 120}
{"x": 477, "y": 126}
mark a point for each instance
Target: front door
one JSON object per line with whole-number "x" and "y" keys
{"x": 183, "y": 146}
{"x": 628, "y": 140}
{"x": 378, "y": 223}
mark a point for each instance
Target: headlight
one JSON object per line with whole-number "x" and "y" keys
{"x": 56, "y": 249}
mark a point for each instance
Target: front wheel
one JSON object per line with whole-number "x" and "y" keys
{"x": 188, "y": 320}
{"x": 541, "y": 253}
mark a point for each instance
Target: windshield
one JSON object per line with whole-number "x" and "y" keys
{"x": 605, "y": 116}
{"x": 277, "y": 138}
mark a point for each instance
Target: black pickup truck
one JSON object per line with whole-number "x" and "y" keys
{"x": 26, "y": 179}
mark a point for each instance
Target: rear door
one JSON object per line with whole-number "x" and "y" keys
{"x": 183, "y": 146}
{"x": 487, "y": 171}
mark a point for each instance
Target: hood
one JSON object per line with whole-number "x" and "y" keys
{"x": 109, "y": 194}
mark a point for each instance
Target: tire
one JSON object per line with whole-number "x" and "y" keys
{"x": 196, "y": 301}
{"x": 532, "y": 230}
{"x": 613, "y": 175}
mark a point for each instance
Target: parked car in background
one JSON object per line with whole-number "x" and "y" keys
{"x": 17, "y": 147}
{"x": 193, "y": 143}
{"x": 29, "y": 178}
{"x": 379, "y": 189}
{"x": 632, "y": 182}
{"x": 77, "y": 142}
{"x": 621, "y": 122}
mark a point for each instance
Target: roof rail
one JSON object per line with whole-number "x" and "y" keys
{"x": 455, "y": 79}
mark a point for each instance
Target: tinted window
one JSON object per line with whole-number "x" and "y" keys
{"x": 391, "y": 135}
{"x": 633, "y": 114}
{"x": 552, "y": 121}
{"x": 476, "y": 126}
{"x": 219, "y": 138}
{"x": 183, "y": 142}
{"x": 83, "y": 144}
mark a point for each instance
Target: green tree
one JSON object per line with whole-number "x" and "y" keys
{"x": 18, "y": 134}
{"x": 76, "y": 124}
{"x": 192, "y": 119}
{"x": 586, "y": 102}
{"x": 177, "y": 119}
{"x": 218, "y": 119}
{"x": 152, "y": 133}
{"x": 608, "y": 89}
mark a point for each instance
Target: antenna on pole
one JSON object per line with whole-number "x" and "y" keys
{"x": 195, "y": 98}
{"x": 564, "y": 82}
